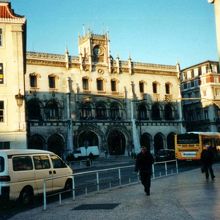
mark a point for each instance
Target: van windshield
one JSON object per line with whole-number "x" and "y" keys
{"x": 2, "y": 164}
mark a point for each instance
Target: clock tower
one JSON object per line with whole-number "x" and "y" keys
{"x": 216, "y": 4}
{"x": 94, "y": 48}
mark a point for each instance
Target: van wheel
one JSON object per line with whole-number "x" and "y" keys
{"x": 26, "y": 196}
{"x": 68, "y": 185}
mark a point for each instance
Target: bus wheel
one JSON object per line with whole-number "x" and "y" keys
{"x": 26, "y": 196}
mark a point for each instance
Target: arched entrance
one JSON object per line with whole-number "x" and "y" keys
{"x": 116, "y": 143}
{"x": 146, "y": 140}
{"x": 88, "y": 138}
{"x": 55, "y": 144}
{"x": 36, "y": 142}
{"x": 158, "y": 142}
{"x": 170, "y": 141}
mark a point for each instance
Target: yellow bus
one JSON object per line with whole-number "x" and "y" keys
{"x": 189, "y": 146}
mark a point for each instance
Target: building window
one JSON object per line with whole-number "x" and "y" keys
{"x": 185, "y": 85}
{"x": 199, "y": 71}
{"x": 115, "y": 111}
{"x": 214, "y": 68}
{"x": 33, "y": 81}
{"x": 34, "y": 110}
{"x": 142, "y": 112}
{"x": 168, "y": 112}
{"x": 52, "y": 110}
{"x": 86, "y": 111}
{"x": 217, "y": 92}
{"x": 167, "y": 88}
{"x": 192, "y": 74}
{"x": 155, "y": 114}
{"x": 5, "y": 145}
{"x": 154, "y": 87}
{"x": 52, "y": 82}
{"x": 1, "y": 111}
{"x": 0, "y": 37}
{"x": 99, "y": 84}
{"x": 204, "y": 69}
{"x": 1, "y": 74}
{"x": 113, "y": 86}
{"x": 101, "y": 111}
{"x": 85, "y": 84}
{"x": 141, "y": 87}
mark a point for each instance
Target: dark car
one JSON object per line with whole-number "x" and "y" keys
{"x": 165, "y": 154}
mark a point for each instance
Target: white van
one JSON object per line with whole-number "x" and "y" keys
{"x": 83, "y": 152}
{"x": 22, "y": 173}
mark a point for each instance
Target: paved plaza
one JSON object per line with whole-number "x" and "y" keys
{"x": 184, "y": 196}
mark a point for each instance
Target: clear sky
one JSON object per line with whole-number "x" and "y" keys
{"x": 151, "y": 31}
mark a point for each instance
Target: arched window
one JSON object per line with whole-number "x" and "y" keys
{"x": 155, "y": 112}
{"x": 86, "y": 111}
{"x": 34, "y": 110}
{"x": 168, "y": 112}
{"x": 101, "y": 111}
{"x": 115, "y": 111}
{"x": 52, "y": 110}
{"x": 142, "y": 112}
{"x": 36, "y": 142}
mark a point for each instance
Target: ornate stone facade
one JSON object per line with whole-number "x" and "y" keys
{"x": 92, "y": 96}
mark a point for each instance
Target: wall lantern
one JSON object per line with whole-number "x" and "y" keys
{"x": 19, "y": 99}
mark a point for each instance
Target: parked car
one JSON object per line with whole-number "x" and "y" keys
{"x": 23, "y": 171}
{"x": 165, "y": 154}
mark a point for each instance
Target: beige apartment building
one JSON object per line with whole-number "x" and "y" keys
{"x": 200, "y": 86}
{"x": 12, "y": 70}
{"x": 84, "y": 100}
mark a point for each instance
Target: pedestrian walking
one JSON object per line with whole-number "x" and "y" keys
{"x": 207, "y": 159}
{"x": 143, "y": 165}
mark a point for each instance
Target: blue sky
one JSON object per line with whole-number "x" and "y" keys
{"x": 151, "y": 31}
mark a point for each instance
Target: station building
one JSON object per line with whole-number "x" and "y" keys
{"x": 91, "y": 99}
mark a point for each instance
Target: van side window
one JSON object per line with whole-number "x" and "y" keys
{"x": 21, "y": 163}
{"x": 41, "y": 162}
{"x": 57, "y": 162}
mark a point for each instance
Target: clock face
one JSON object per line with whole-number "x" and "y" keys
{"x": 211, "y": 1}
{"x": 97, "y": 50}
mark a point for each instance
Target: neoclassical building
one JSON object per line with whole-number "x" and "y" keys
{"x": 84, "y": 100}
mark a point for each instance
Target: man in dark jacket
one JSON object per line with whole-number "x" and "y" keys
{"x": 143, "y": 165}
{"x": 207, "y": 158}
